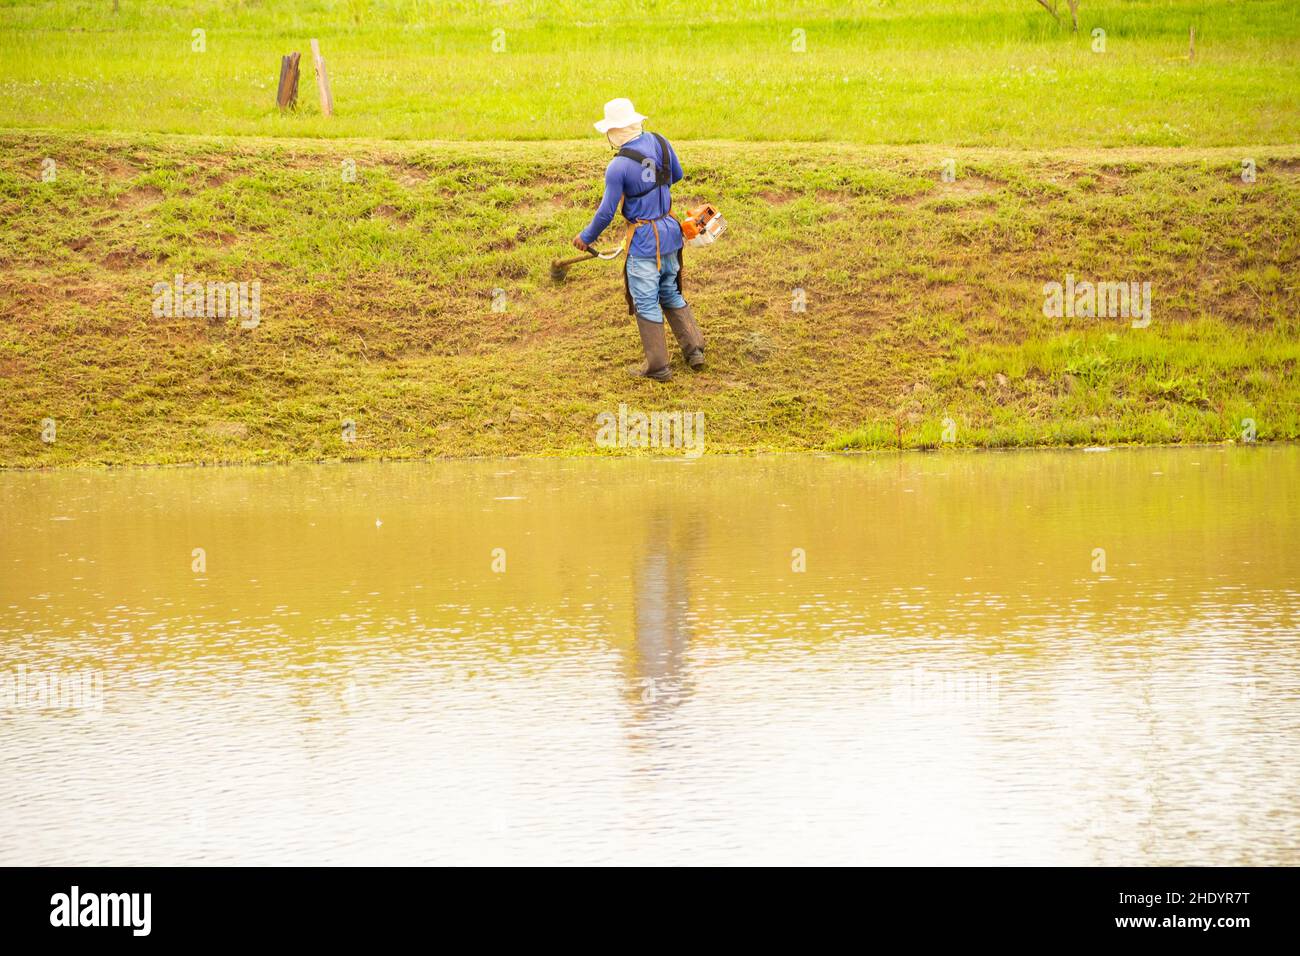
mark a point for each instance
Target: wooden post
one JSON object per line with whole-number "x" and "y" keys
{"x": 1191, "y": 45}
{"x": 322, "y": 81}
{"x": 286, "y": 95}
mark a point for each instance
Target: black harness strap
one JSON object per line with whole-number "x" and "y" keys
{"x": 627, "y": 287}
{"x": 663, "y": 172}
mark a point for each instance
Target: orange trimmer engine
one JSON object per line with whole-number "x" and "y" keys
{"x": 703, "y": 225}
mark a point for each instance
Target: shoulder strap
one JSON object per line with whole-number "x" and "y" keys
{"x": 661, "y": 166}
{"x": 663, "y": 169}
{"x": 665, "y": 166}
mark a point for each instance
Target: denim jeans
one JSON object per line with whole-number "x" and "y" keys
{"x": 651, "y": 287}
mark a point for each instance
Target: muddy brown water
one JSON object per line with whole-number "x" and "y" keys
{"x": 1040, "y": 657}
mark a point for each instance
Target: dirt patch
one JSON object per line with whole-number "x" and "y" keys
{"x": 11, "y": 367}
{"x": 138, "y": 196}
{"x": 963, "y": 187}
{"x": 970, "y": 184}
{"x": 1114, "y": 171}
{"x": 118, "y": 168}
{"x": 391, "y": 213}
{"x": 226, "y": 239}
{"x": 543, "y": 207}
{"x": 1288, "y": 167}
{"x": 915, "y": 199}
{"x": 1112, "y": 179}
{"x": 119, "y": 260}
{"x": 409, "y": 176}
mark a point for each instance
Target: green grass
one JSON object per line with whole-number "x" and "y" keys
{"x": 982, "y": 72}
{"x": 924, "y": 298}
{"x": 924, "y": 319}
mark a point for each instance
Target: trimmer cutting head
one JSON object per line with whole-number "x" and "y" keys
{"x": 560, "y": 267}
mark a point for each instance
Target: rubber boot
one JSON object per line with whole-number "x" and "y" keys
{"x": 656, "y": 352}
{"x": 688, "y": 335}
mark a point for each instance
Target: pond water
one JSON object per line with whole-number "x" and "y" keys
{"x": 1038, "y": 657}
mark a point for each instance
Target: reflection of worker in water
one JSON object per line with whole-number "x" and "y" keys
{"x": 661, "y": 604}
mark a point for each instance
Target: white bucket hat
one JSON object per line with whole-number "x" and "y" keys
{"x": 618, "y": 113}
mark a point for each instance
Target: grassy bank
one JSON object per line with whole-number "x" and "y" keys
{"x": 924, "y": 299}
{"x": 983, "y": 72}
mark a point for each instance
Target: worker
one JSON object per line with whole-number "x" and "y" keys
{"x": 640, "y": 177}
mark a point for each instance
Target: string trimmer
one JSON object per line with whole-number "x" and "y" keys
{"x": 561, "y": 266}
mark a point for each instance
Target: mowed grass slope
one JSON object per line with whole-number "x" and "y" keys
{"x": 980, "y": 72}
{"x": 924, "y": 298}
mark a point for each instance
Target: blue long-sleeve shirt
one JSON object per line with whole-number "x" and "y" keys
{"x": 624, "y": 178}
